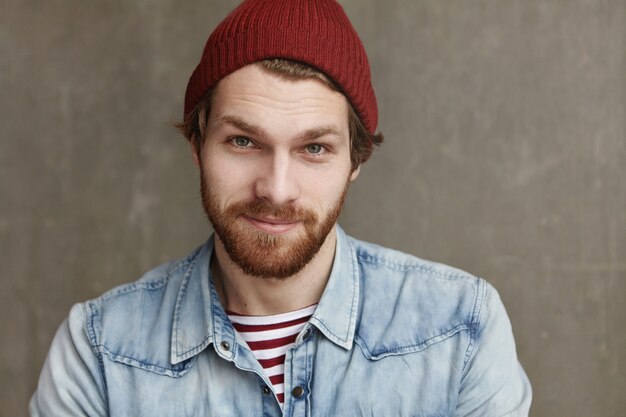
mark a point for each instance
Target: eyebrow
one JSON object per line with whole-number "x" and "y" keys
{"x": 307, "y": 135}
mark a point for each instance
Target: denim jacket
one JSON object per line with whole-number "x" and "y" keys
{"x": 392, "y": 335}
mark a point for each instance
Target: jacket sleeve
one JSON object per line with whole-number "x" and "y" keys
{"x": 493, "y": 383}
{"x": 71, "y": 382}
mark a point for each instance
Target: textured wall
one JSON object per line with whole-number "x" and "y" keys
{"x": 505, "y": 156}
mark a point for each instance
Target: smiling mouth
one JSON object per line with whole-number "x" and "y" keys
{"x": 272, "y": 226}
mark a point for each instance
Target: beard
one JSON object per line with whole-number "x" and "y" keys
{"x": 263, "y": 254}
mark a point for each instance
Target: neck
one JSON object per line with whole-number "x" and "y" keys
{"x": 250, "y": 295}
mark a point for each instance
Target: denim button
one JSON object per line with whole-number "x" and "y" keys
{"x": 297, "y": 392}
{"x": 225, "y": 345}
{"x": 266, "y": 390}
{"x": 306, "y": 333}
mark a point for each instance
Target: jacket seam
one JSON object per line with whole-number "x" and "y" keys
{"x": 413, "y": 267}
{"x": 91, "y": 334}
{"x": 423, "y": 344}
{"x": 475, "y": 323}
{"x": 151, "y": 285}
{"x": 127, "y": 360}
{"x": 356, "y": 289}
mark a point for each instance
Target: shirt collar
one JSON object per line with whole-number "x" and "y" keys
{"x": 192, "y": 327}
{"x": 336, "y": 313}
{"x": 199, "y": 318}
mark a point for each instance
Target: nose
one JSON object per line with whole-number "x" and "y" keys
{"x": 277, "y": 182}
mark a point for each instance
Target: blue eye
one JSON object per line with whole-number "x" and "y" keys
{"x": 314, "y": 148}
{"x": 241, "y": 141}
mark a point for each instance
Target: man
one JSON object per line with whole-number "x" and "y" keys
{"x": 281, "y": 313}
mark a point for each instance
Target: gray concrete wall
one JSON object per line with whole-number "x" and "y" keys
{"x": 505, "y": 156}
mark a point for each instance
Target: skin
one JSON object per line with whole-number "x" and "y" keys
{"x": 285, "y": 142}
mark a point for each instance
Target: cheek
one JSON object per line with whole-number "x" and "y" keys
{"x": 227, "y": 181}
{"x": 327, "y": 188}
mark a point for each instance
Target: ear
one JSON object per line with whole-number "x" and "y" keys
{"x": 194, "y": 153}
{"x": 355, "y": 173}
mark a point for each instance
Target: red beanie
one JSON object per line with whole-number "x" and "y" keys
{"x": 315, "y": 32}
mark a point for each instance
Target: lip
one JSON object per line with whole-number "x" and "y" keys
{"x": 272, "y": 226}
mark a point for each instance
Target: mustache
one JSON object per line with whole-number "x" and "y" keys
{"x": 261, "y": 208}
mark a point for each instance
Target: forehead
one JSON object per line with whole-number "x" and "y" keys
{"x": 278, "y": 104}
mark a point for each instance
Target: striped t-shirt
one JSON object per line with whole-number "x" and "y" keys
{"x": 269, "y": 339}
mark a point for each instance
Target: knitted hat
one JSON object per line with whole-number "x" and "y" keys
{"x": 315, "y": 32}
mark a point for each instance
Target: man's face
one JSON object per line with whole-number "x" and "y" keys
{"x": 275, "y": 169}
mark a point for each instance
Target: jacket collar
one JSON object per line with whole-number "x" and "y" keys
{"x": 336, "y": 313}
{"x": 199, "y": 318}
{"x": 192, "y": 327}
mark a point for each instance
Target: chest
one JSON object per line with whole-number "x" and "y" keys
{"x": 320, "y": 379}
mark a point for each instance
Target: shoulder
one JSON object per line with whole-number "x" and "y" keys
{"x": 381, "y": 266}
{"x": 148, "y": 290}
{"x": 133, "y": 322}
{"x": 409, "y": 303}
